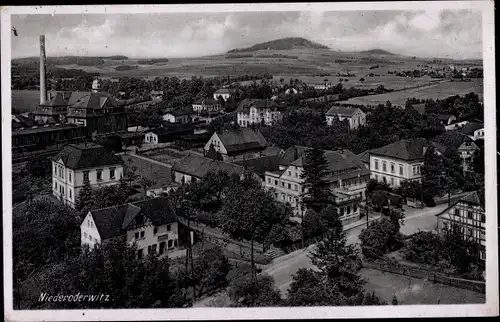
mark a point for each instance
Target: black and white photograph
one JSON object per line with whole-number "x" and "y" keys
{"x": 249, "y": 161}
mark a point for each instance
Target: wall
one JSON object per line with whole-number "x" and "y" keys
{"x": 89, "y": 233}
{"x": 398, "y": 178}
{"x": 150, "y": 238}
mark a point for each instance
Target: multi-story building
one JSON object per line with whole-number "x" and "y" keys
{"x": 179, "y": 116}
{"x": 469, "y": 213}
{"x": 355, "y": 116}
{"x": 401, "y": 160}
{"x": 474, "y": 130}
{"x": 347, "y": 176}
{"x": 76, "y": 163}
{"x": 53, "y": 110}
{"x": 237, "y": 144}
{"x": 150, "y": 224}
{"x": 465, "y": 146}
{"x": 225, "y": 93}
{"x": 207, "y": 105}
{"x": 258, "y": 111}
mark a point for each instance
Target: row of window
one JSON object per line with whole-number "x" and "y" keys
{"x": 140, "y": 234}
{"x": 289, "y": 186}
{"x": 469, "y": 232}
{"x": 59, "y": 171}
{"x": 392, "y": 165}
{"x": 90, "y": 238}
{"x": 470, "y": 215}
{"x": 162, "y": 246}
{"x": 384, "y": 179}
{"x": 61, "y": 190}
{"x": 347, "y": 211}
{"x": 112, "y": 174}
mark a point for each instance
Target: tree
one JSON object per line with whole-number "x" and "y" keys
{"x": 431, "y": 172}
{"x": 314, "y": 224}
{"x": 145, "y": 183}
{"x": 254, "y": 292}
{"x": 394, "y": 300}
{"x": 85, "y": 196}
{"x": 316, "y": 185}
{"x": 213, "y": 154}
{"x": 39, "y": 166}
{"x": 379, "y": 199}
{"x": 210, "y": 271}
{"x": 381, "y": 237}
{"x": 308, "y": 288}
{"x": 130, "y": 172}
{"x": 478, "y": 159}
{"x": 453, "y": 177}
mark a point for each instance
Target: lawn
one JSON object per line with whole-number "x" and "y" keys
{"x": 440, "y": 91}
{"x": 416, "y": 291}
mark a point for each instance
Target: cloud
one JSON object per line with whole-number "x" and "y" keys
{"x": 422, "y": 33}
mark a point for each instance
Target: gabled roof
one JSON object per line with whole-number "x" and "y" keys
{"x": 410, "y": 149}
{"x": 172, "y": 128}
{"x": 453, "y": 139}
{"x": 206, "y": 101}
{"x": 180, "y": 112}
{"x": 364, "y": 156}
{"x": 444, "y": 117}
{"x": 82, "y": 156}
{"x": 261, "y": 164}
{"x": 198, "y": 166}
{"x": 93, "y": 100}
{"x": 242, "y": 139}
{"x": 474, "y": 198}
{"x": 469, "y": 128}
{"x": 291, "y": 154}
{"x": 114, "y": 221}
{"x": 224, "y": 91}
{"x": 259, "y": 104}
{"x": 341, "y": 110}
{"x": 58, "y": 99}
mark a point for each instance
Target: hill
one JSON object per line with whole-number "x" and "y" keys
{"x": 281, "y": 44}
{"x": 377, "y": 52}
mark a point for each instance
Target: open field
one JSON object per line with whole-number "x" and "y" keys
{"x": 410, "y": 290}
{"x": 25, "y": 101}
{"x": 439, "y": 91}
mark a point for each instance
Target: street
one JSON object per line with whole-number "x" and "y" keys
{"x": 283, "y": 268}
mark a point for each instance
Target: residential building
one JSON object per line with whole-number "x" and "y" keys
{"x": 465, "y": 146}
{"x": 169, "y": 132}
{"x": 258, "y": 111}
{"x": 207, "y": 106}
{"x": 99, "y": 112}
{"x": 75, "y": 163}
{"x": 401, "y": 160}
{"x": 179, "y": 116}
{"x": 225, "y": 93}
{"x": 470, "y": 215}
{"x": 237, "y": 144}
{"x": 354, "y": 115}
{"x": 195, "y": 167}
{"x": 456, "y": 125}
{"x": 446, "y": 119}
{"x": 347, "y": 176}
{"x": 474, "y": 130}
{"x": 150, "y": 224}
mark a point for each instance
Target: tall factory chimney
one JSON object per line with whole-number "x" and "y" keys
{"x": 43, "y": 80}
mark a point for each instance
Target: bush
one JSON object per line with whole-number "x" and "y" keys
{"x": 381, "y": 237}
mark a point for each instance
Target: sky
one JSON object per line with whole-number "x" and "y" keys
{"x": 438, "y": 33}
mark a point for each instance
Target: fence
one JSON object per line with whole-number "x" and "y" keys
{"x": 435, "y": 277}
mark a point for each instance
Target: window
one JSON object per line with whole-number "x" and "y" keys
{"x": 149, "y": 249}
{"x": 170, "y": 243}
{"x": 392, "y": 167}
{"x": 355, "y": 208}
{"x": 341, "y": 212}
{"x": 348, "y": 210}
{"x": 95, "y": 240}
{"x": 153, "y": 248}
{"x": 384, "y": 166}
{"x": 169, "y": 227}
{"x": 392, "y": 181}
{"x": 470, "y": 215}
{"x": 290, "y": 173}
{"x": 155, "y": 230}
{"x": 483, "y": 218}
{"x": 55, "y": 185}
{"x": 99, "y": 174}
{"x": 55, "y": 168}
{"x": 376, "y": 164}
{"x": 469, "y": 232}
{"x": 139, "y": 253}
{"x": 85, "y": 175}
{"x": 85, "y": 235}
{"x": 275, "y": 182}
{"x": 296, "y": 175}
{"x": 268, "y": 180}
{"x": 70, "y": 195}
{"x": 289, "y": 186}
{"x": 482, "y": 255}
{"x": 69, "y": 176}
{"x": 137, "y": 235}
{"x": 457, "y": 212}
{"x": 385, "y": 179}
{"x": 112, "y": 173}
{"x": 401, "y": 169}
{"x": 295, "y": 187}
{"x": 162, "y": 247}
{"x": 282, "y": 184}
{"x": 283, "y": 196}
{"x": 142, "y": 234}
{"x": 175, "y": 242}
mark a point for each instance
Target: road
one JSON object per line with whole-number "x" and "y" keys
{"x": 283, "y": 268}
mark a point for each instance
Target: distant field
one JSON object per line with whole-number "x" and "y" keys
{"x": 439, "y": 91}
{"x": 25, "y": 101}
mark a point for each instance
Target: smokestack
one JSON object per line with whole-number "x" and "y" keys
{"x": 43, "y": 81}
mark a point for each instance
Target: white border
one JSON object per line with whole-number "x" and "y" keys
{"x": 490, "y": 308}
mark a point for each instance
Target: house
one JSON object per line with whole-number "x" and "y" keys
{"x": 365, "y": 158}
{"x": 150, "y": 224}
{"x": 54, "y": 109}
{"x": 238, "y": 143}
{"x": 445, "y": 119}
{"x": 178, "y": 116}
{"x": 401, "y": 160}
{"x": 469, "y": 213}
{"x": 465, "y": 146}
{"x": 347, "y": 176}
{"x": 258, "y": 111}
{"x": 99, "y": 112}
{"x": 474, "y": 130}
{"x": 161, "y": 189}
{"x": 207, "y": 106}
{"x": 195, "y": 167}
{"x": 169, "y": 132}
{"x": 260, "y": 165}
{"x": 190, "y": 141}
{"x": 321, "y": 86}
{"x": 156, "y": 95}
{"x": 456, "y": 125}
{"x": 225, "y": 93}
{"x": 354, "y": 115}
{"x": 76, "y": 163}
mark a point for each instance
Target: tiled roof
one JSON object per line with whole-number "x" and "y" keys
{"x": 443, "y": 117}
{"x": 341, "y": 110}
{"x": 246, "y": 104}
{"x": 469, "y": 128}
{"x": 291, "y": 154}
{"x": 92, "y": 100}
{"x": 452, "y": 139}
{"x": 58, "y": 99}
{"x": 171, "y": 129}
{"x": 224, "y": 91}
{"x": 242, "y": 139}
{"x": 261, "y": 164}
{"x": 364, "y": 157}
{"x": 40, "y": 129}
{"x": 113, "y": 221}
{"x": 198, "y": 166}
{"x": 206, "y": 101}
{"x": 475, "y": 198}
{"x": 411, "y": 149}
{"x": 83, "y": 156}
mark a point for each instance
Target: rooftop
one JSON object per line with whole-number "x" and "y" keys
{"x": 469, "y": 128}
{"x": 242, "y": 139}
{"x": 42, "y": 129}
{"x": 342, "y": 110}
{"x": 410, "y": 149}
{"x": 246, "y": 104}
{"x": 83, "y": 156}
{"x": 206, "y": 101}
{"x": 198, "y": 166}
{"x": 180, "y": 112}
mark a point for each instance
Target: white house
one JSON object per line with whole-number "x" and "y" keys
{"x": 208, "y": 105}
{"x": 179, "y": 116}
{"x": 456, "y": 125}
{"x": 240, "y": 143}
{"x": 401, "y": 160}
{"x": 76, "y": 162}
{"x": 354, "y": 115}
{"x": 258, "y": 111}
{"x": 150, "y": 224}
{"x": 470, "y": 215}
{"x": 348, "y": 178}
{"x": 474, "y": 130}
{"x": 225, "y": 93}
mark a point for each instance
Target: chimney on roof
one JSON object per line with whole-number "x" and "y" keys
{"x": 43, "y": 81}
